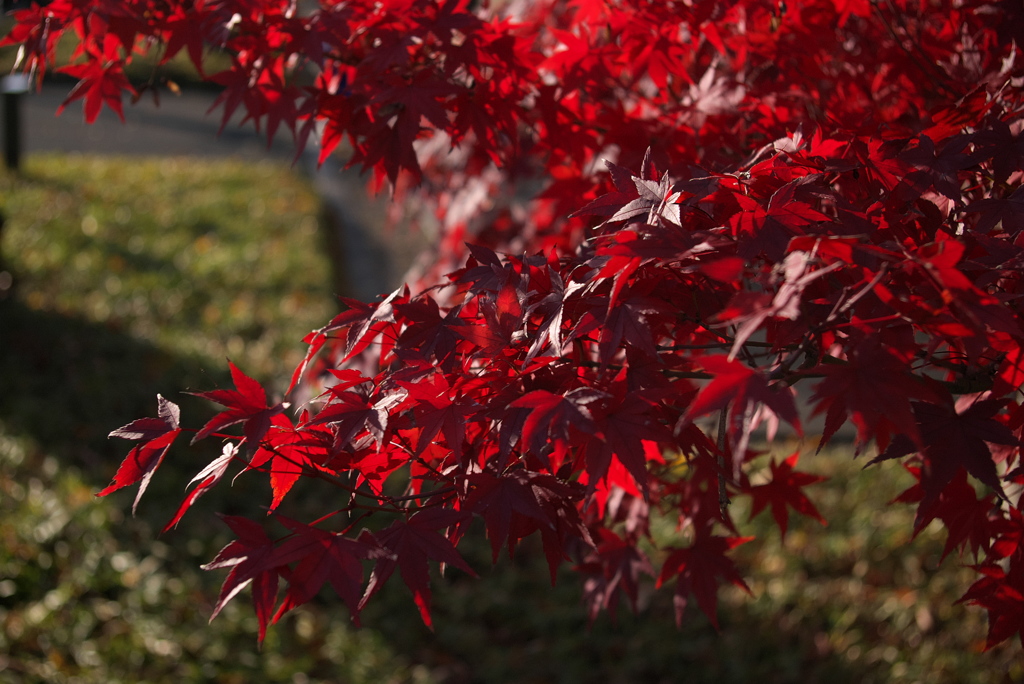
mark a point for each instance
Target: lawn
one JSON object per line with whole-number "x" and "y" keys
{"x": 134, "y": 277}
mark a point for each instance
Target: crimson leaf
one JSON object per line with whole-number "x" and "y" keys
{"x": 156, "y": 436}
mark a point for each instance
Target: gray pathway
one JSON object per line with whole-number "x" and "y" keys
{"x": 370, "y": 259}
{"x": 179, "y": 126}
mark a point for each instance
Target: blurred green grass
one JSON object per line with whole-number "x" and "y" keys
{"x": 132, "y": 277}
{"x": 139, "y": 276}
{"x": 128, "y": 271}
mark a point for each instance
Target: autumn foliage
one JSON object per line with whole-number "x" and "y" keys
{"x": 680, "y": 215}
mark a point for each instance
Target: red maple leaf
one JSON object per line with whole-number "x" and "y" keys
{"x": 616, "y": 564}
{"x": 285, "y": 449}
{"x": 246, "y": 404}
{"x": 181, "y": 33}
{"x": 626, "y": 429}
{"x": 879, "y": 158}
{"x": 362, "y": 323}
{"x": 749, "y": 310}
{"x": 954, "y": 438}
{"x": 953, "y": 118}
{"x": 156, "y": 436}
{"x": 1004, "y": 150}
{"x": 970, "y": 520}
{"x": 552, "y": 416}
{"x": 874, "y": 387}
{"x": 252, "y": 559}
{"x": 629, "y": 321}
{"x": 1004, "y": 601}
{"x": 98, "y": 84}
{"x": 1007, "y": 212}
{"x": 737, "y": 384}
{"x": 938, "y": 170}
{"x": 519, "y": 503}
{"x": 350, "y": 413}
{"x": 783, "y": 491}
{"x": 437, "y": 411}
{"x": 428, "y": 332}
{"x": 409, "y": 545}
{"x": 321, "y": 557}
{"x": 698, "y": 570}
{"x": 742, "y": 389}
{"x": 768, "y": 229}
{"x": 207, "y": 478}
{"x": 548, "y": 338}
{"x": 502, "y": 319}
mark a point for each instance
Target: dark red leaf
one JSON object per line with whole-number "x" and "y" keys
{"x": 742, "y": 389}
{"x": 251, "y": 558}
{"x": 206, "y": 479}
{"x": 156, "y": 436}
{"x": 784, "y": 490}
{"x": 699, "y": 569}
{"x": 409, "y": 545}
{"x": 246, "y": 404}
{"x": 98, "y": 85}
{"x": 1004, "y": 601}
{"x": 954, "y": 438}
{"x": 521, "y": 502}
{"x": 874, "y": 388}
{"x": 321, "y": 557}
{"x": 615, "y": 565}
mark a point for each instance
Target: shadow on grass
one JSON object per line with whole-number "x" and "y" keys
{"x": 511, "y": 625}
{"x": 67, "y": 382}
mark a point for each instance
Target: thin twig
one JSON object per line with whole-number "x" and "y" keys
{"x": 930, "y": 69}
{"x": 723, "y": 495}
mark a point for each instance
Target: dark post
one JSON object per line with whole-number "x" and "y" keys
{"x": 13, "y": 87}
{"x": 6, "y": 279}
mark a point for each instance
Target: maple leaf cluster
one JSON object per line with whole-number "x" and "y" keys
{"x": 681, "y": 214}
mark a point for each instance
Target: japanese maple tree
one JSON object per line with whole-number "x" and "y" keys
{"x": 678, "y": 215}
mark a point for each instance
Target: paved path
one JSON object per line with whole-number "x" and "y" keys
{"x": 181, "y": 126}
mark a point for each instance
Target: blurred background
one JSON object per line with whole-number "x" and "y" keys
{"x": 139, "y": 256}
